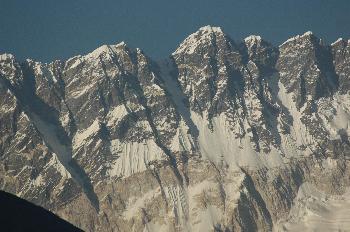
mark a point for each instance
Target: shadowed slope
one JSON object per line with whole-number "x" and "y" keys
{"x": 19, "y": 215}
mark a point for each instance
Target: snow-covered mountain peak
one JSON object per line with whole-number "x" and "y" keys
{"x": 211, "y": 29}
{"x": 121, "y": 44}
{"x": 6, "y": 56}
{"x": 252, "y": 39}
{"x": 102, "y": 50}
{"x": 205, "y": 36}
{"x": 11, "y": 68}
{"x": 107, "y": 49}
{"x": 259, "y": 51}
{"x": 308, "y": 33}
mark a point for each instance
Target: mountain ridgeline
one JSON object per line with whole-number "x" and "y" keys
{"x": 220, "y": 136}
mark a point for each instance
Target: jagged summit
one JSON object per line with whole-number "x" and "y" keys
{"x": 6, "y": 56}
{"x": 106, "y": 49}
{"x": 253, "y": 39}
{"x": 307, "y": 35}
{"x": 211, "y": 29}
{"x": 340, "y": 41}
{"x": 205, "y": 35}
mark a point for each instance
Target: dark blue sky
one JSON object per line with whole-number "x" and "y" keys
{"x": 57, "y": 29}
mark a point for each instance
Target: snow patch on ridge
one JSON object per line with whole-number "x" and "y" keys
{"x": 116, "y": 114}
{"x": 297, "y": 37}
{"x": 54, "y": 162}
{"x": 337, "y": 41}
{"x": 81, "y": 136}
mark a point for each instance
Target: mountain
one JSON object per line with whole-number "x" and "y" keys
{"x": 220, "y": 136}
{"x": 19, "y": 215}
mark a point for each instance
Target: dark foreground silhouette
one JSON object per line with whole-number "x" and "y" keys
{"x": 19, "y": 215}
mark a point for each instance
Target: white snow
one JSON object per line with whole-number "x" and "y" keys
{"x": 116, "y": 114}
{"x": 337, "y": 41}
{"x": 6, "y": 56}
{"x": 81, "y": 90}
{"x": 177, "y": 198}
{"x": 51, "y": 138}
{"x": 299, "y": 135}
{"x": 208, "y": 218}
{"x": 43, "y": 70}
{"x": 154, "y": 90}
{"x": 81, "y": 136}
{"x": 209, "y": 28}
{"x": 203, "y": 35}
{"x": 342, "y": 118}
{"x": 64, "y": 119}
{"x": 74, "y": 62}
{"x": 98, "y": 51}
{"x": 135, "y": 204}
{"x": 105, "y": 49}
{"x": 134, "y": 156}
{"x": 38, "y": 181}
{"x": 252, "y": 38}
{"x": 154, "y": 226}
{"x": 335, "y": 114}
{"x": 54, "y": 162}
{"x": 204, "y": 219}
{"x": 314, "y": 210}
{"x": 219, "y": 146}
{"x": 308, "y": 33}
{"x": 183, "y": 139}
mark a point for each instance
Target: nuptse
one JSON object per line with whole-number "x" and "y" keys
{"x": 221, "y": 136}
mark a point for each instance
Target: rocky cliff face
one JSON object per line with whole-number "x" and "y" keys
{"x": 222, "y": 136}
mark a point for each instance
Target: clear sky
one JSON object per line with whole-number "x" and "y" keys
{"x": 58, "y": 29}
